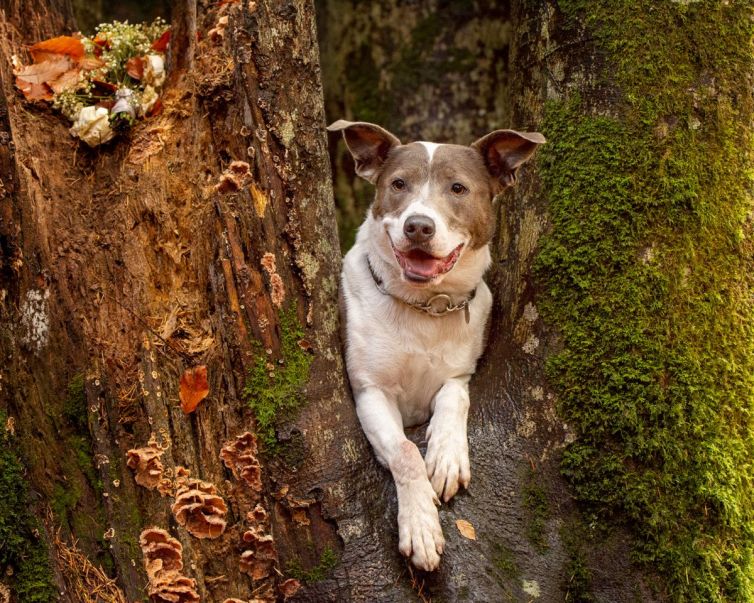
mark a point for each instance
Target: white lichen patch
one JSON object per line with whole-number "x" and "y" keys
{"x": 351, "y": 529}
{"x": 309, "y": 266}
{"x": 35, "y": 319}
{"x": 350, "y": 453}
{"x": 530, "y": 312}
{"x": 531, "y": 344}
{"x": 531, "y": 588}
{"x": 527, "y": 427}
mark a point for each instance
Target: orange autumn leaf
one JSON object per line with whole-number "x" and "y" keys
{"x": 91, "y": 63}
{"x": 161, "y": 43}
{"x": 101, "y": 41}
{"x": 466, "y": 529}
{"x": 57, "y": 66}
{"x": 135, "y": 67}
{"x": 193, "y": 387}
{"x": 66, "y": 45}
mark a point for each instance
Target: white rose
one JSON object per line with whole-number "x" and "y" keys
{"x": 154, "y": 71}
{"x": 148, "y": 99}
{"x": 92, "y": 125}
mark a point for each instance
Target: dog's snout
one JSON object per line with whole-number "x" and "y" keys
{"x": 419, "y": 228}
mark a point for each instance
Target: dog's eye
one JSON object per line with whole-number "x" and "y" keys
{"x": 458, "y": 188}
{"x": 398, "y": 184}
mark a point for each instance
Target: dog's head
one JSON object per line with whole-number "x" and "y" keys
{"x": 433, "y": 203}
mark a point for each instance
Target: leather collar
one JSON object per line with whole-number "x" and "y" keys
{"x": 437, "y": 305}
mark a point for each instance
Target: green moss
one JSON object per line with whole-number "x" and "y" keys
{"x": 505, "y": 562}
{"x": 577, "y": 582}
{"x": 74, "y": 406}
{"x": 534, "y": 500}
{"x": 79, "y": 443}
{"x": 274, "y": 389}
{"x": 65, "y": 497}
{"x": 648, "y": 275}
{"x": 22, "y": 550}
{"x": 327, "y": 561}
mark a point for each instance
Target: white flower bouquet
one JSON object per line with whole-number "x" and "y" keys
{"x": 102, "y": 84}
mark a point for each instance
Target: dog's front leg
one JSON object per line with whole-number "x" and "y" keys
{"x": 448, "y": 448}
{"x": 419, "y": 532}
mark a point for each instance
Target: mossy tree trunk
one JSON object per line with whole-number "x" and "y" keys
{"x": 645, "y": 274}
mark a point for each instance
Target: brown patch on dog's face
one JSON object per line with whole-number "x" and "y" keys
{"x": 469, "y": 209}
{"x": 409, "y": 163}
{"x": 455, "y": 184}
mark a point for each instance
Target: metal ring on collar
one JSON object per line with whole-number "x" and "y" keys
{"x": 429, "y": 305}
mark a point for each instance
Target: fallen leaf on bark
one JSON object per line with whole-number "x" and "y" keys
{"x": 466, "y": 529}
{"x": 45, "y": 71}
{"x": 193, "y": 388}
{"x": 57, "y": 66}
{"x": 66, "y": 81}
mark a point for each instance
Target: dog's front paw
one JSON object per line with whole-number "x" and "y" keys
{"x": 447, "y": 460}
{"x": 419, "y": 532}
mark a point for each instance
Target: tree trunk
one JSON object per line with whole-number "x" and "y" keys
{"x": 122, "y": 267}
{"x": 125, "y": 265}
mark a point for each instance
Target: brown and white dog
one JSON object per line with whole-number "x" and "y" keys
{"x": 416, "y": 307}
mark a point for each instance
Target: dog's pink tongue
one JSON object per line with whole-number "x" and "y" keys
{"x": 423, "y": 264}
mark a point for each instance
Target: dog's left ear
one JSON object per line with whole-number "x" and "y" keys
{"x": 504, "y": 151}
{"x": 369, "y": 144}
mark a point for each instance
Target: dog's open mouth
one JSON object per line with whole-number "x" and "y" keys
{"x": 420, "y": 266}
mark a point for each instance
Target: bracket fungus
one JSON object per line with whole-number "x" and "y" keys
{"x": 146, "y": 464}
{"x": 200, "y": 509}
{"x": 240, "y": 456}
{"x": 163, "y": 562}
{"x": 258, "y": 562}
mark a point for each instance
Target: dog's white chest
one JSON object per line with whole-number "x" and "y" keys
{"x": 405, "y": 353}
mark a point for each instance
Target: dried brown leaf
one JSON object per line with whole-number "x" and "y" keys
{"x": 34, "y": 91}
{"x": 466, "y": 529}
{"x": 46, "y": 71}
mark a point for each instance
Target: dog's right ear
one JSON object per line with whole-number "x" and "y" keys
{"x": 369, "y": 144}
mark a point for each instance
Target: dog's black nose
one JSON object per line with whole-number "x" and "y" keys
{"x": 419, "y": 228}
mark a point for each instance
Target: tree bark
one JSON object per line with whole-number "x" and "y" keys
{"x": 125, "y": 265}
